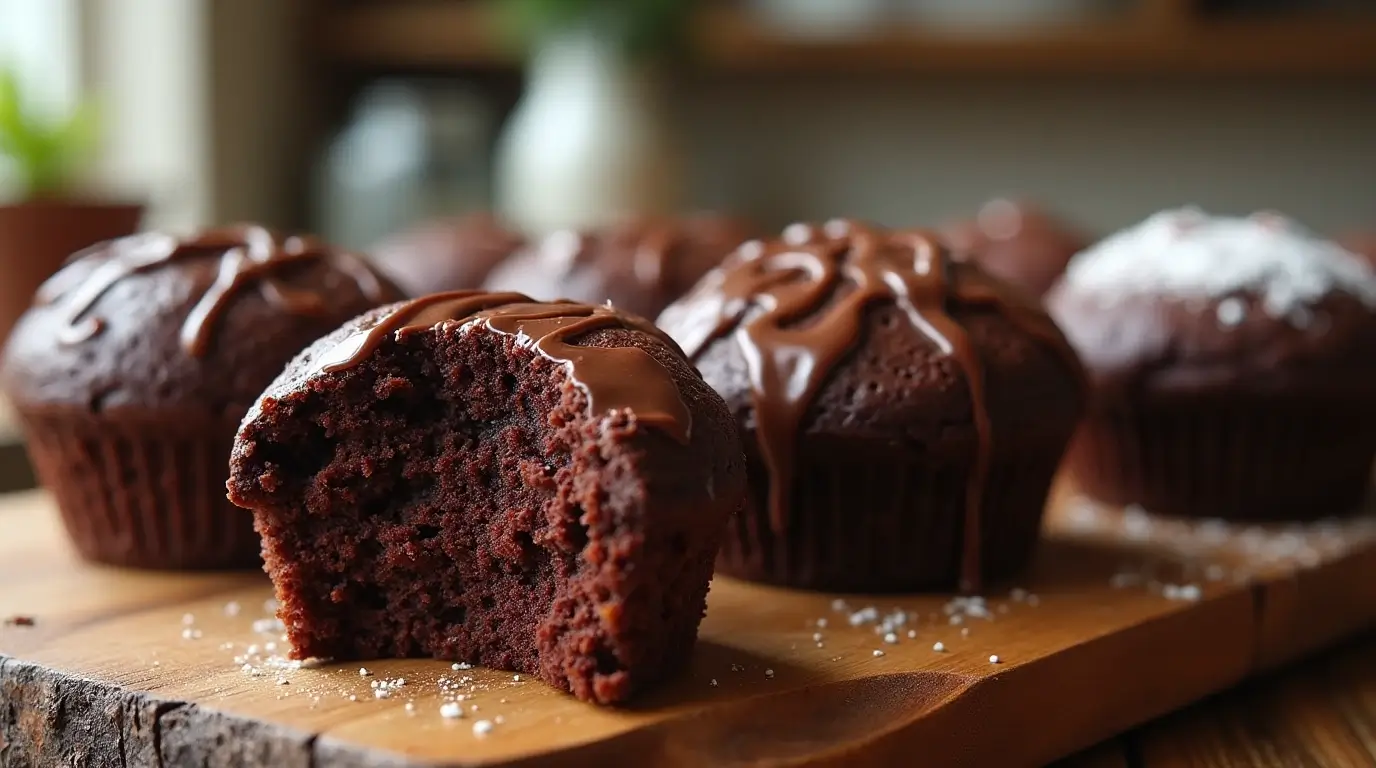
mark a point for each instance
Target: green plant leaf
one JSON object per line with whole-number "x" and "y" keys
{"x": 13, "y": 131}
{"x": 44, "y": 154}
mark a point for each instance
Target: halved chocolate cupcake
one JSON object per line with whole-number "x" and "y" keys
{"x": 904, "y": 413}
{"x": 539, "y": 487}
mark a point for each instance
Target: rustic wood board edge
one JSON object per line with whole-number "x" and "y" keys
{"x": 101, "y": 724}
{"x": 98, "y": 723}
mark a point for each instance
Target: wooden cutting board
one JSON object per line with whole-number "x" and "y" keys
{"x": 1124, "y": 617}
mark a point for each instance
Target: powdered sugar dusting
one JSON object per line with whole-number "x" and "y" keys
{"x": 1188, "y": 254}
{"x": 1184, "y": 554}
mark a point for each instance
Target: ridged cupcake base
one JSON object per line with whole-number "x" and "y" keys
{"x": 140, "y": 495}
{"x": 1245, "y": 459}
{"x": 889, "y": 527}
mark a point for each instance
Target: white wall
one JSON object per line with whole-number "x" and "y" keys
{"x": 149, "y": 73}
{"x": 1106, "y": 150}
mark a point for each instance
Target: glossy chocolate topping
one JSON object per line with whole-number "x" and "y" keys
{"x": 252, "y": 255}
{"x": 796, "y": 307}
{"x": 613, "y": 378}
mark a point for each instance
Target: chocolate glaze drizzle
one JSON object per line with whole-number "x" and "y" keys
{"x": 613, "y": 378}
{"x": 250, "y": 254}
{"x": 762, "y": 295}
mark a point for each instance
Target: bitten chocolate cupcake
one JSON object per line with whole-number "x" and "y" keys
{"x": 639, "y": 266}
{"x": 539, "y": 487}
{"x": 446, "y": 254}
{"x": 132, "y": 369}
{"x": 1233, "y": 367}
{"x": 903, "y": 412}
{"x": 1017, "y": 242}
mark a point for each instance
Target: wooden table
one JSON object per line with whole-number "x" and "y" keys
{"x": 1320, "y": 713}
{"x": 1082, "y": 663}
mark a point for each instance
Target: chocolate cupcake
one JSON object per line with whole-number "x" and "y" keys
{"x": 446, "y": 254}
{"x": 1016, "y": 242}
{"x": 639, "y": 266}
{"x": 132, "y": 369}
{"x": 1233, "y": 368}
{"x": 471, "y": 476}
{"x": 903, "y": 412}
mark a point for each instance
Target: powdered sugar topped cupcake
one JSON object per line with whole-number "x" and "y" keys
{"x": 1234, "y": 361}
{"x": 1188, "y": 254}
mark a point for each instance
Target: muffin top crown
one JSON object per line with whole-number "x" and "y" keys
{"x": 447, "y": 254}
{"x": 810, "y": 288}
{"x": 201, "y": 324}
{"x": 1186, "y": 300}
{"x": 1016, "y": 241}
{"x": 248, "y": 255}
{"x": 613, "y": 378}
{"x": 1187, "y": 254}
{"x": 640, "y": 264}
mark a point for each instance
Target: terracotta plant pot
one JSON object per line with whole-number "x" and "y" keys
{"x": 37, "y": 236}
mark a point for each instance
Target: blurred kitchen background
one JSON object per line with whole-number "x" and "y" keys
{"x": 357, "y": 118}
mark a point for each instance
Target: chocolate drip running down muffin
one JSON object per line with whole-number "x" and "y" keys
{"x": 136, "y": 363}
{"x": 1016, "y": 242}
{"x": 1233, "y": 368}
{"x": 446, "y": 254}
{"x": 639, "y": 265}
{"x": 538, "y": 487}
{"x": 902, "y": 407}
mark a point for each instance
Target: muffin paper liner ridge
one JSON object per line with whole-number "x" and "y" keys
{"x": 1246, "y": 459}
{"x": 877, "y": 527}
{"x": 136, "y": 496}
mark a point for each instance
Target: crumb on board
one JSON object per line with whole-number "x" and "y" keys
{"x": 20, "y": 621}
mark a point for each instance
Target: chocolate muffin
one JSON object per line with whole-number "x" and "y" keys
{"x": 903, "y": 412}
{"x": 1016, "y": 242}
{"x": 446, "y": 254}
{"x": 639, "y": 266}
{"x": 132, "y": 369}
{"x": 1233, "y": 368}
{"x": 477, "y": 477}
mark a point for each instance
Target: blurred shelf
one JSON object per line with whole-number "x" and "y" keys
{"x": 1164, "y": 38}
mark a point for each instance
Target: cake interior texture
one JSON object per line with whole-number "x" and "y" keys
{"x": 452, "y": 497}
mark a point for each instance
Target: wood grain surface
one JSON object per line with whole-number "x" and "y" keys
{"x": 1315, "y": 714}
{"x": 128, "y": 668}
